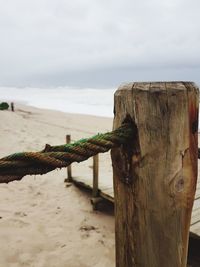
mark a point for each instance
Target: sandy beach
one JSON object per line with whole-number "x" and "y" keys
{"x": 43, "y": 223}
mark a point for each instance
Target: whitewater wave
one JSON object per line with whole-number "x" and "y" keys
{"x": 98, "y": 102}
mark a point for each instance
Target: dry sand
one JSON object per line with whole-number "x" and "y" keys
{"x": 43, "y": 223}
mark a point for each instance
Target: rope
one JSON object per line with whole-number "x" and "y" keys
{"x": 15, "y": 166}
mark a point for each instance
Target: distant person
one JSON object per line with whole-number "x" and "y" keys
{"x": 12, "y": 106}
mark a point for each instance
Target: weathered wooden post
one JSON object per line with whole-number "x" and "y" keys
{"x": 96, "y": 200}
{"x": 155, "y": 175}
{"x": 69, "y": 168}
{"x": 95, "y": 191}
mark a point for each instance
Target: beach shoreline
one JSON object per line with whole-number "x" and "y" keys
{"x": 98, "y": 102}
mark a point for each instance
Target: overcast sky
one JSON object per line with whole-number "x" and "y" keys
{"x": 98, "y": 42}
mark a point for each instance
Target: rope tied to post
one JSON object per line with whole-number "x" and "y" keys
{"x": 17, "y": 165}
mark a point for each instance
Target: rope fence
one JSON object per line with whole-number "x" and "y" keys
{"x": 16, "y": 166}
{"x": 157, "y": 205}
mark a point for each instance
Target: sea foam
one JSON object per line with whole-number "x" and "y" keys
{"x": 98, "y": 102}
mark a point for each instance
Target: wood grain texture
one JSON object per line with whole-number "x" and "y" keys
{"x": 155, "y": 176}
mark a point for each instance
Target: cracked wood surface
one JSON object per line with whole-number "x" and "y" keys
{"x": 155, "y": 176}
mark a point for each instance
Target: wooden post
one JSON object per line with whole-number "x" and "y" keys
{"x": 96, "y": 200}
{"x": 69, "y": 168}
{"x": 95, "y": 190}
{"x": 155, "y": 174}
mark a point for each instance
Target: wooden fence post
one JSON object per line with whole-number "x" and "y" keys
{"x": 96, "y": 200}
{"x": 95, "y": 190}
{"x": 69, "y": 168}
{"x": 155, "y": 174}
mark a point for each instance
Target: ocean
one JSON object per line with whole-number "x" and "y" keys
{"x": 98, "y": 102}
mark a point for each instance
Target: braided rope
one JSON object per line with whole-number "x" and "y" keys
{"x": 15, "y": 166}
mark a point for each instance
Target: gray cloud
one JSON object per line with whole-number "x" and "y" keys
{"x": 46, "y": 42}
